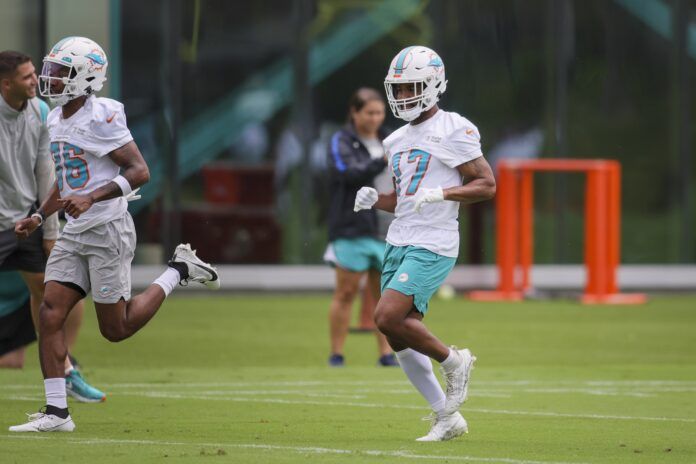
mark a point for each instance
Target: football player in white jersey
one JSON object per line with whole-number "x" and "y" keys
{"x": 436, "y": 164}
{"x": 90, "y": 145}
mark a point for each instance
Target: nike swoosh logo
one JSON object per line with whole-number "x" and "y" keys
{"x": 43, "y": 428}
{"x": 212, "y": 273}
{"x": 108, "y": 120}
{"x": 469, "y": 131}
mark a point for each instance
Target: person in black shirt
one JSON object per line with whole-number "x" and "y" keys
{"x": 356, "y": 157}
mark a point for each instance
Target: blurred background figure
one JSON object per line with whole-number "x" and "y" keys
{"x": 16, "y": 327}
{"x": 356, "y": 158}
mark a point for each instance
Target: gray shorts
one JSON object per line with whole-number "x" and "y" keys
{"x": 98, "y": 258}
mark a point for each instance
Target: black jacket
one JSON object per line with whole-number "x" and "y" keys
{"x": 350, "y": 167}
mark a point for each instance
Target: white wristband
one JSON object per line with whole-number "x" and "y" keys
{"x": 123, "y": 183}
{"x": 40, "y": 216}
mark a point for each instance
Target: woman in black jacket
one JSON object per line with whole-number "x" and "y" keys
{"x": 356, "y": 157}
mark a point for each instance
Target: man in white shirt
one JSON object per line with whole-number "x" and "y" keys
{"x": 436, "y": 163}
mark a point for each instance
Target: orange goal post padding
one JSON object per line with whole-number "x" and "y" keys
{"x": 515, "y": 225}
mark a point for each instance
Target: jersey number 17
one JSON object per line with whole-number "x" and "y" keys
{"x": 422, "y": 160}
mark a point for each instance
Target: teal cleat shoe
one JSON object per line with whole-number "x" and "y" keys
{"x": 79, "y": 389}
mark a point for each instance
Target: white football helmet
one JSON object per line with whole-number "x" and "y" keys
{"x": 79, "y": 64}
{"x": 424, "y": 69}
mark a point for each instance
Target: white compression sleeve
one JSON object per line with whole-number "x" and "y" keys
{"x": 419, "y": 370}
{"x": 55, "y": 392}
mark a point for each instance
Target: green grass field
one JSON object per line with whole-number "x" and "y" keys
{"x": 243, "y": 379}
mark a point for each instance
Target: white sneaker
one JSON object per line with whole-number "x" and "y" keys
{"x": 446, "y": 427}
{"x": 457, "y": 381}
{"x": 197, "y": 270}
{"x": 41, "y": 422}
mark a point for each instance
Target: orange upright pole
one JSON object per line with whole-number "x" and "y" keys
{"x": 507, "y": 227}
{"x": 612, "y": 295}
{"x": 590, "y": 231}
{"x": 526, "y": 226}
{"x": 507, "y": 239}
{"x": 597, "y": 234}
{"x": 614, "y": 204}
{"x": 603, "y": 232}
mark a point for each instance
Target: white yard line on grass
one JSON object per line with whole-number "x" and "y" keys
{"x": 397, "y": 406}
{"x": 579, "y": 416}
{"x": 248, "y": 397}
{"x": 337, "y": 393}
{"x": 169, "y": 395}
{"x": 296, "y": 449}
{"x": 23, "y": 398}
{"x": 686, "y": 385}
{"x": 585, "y": 391}
{"x": 478, "y": 390}
{"x": 280, "y": 392}
{"x": 593, "y": 389}
{"x": 300, "y": 383}
{"x": 483, "y": 383}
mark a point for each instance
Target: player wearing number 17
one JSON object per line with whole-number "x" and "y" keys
{"x": 90, "y": 144}
{"x": 436, "y": 163}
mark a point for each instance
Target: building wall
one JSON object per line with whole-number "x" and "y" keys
{"x": 19, "y": 23}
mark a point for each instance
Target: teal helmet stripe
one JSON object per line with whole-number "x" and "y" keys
{"x": 399, "y": 66}
{"x": 96, "y": 58}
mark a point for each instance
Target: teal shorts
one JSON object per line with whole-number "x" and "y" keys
{"x": 356, "y": 254}
{"x": 415, "y": 271}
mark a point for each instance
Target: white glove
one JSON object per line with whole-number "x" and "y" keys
{"x": 133, "y": 195}
{"x": 365, "y": 198}
{"x": 426, "y": 195}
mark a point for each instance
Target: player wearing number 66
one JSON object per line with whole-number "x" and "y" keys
{"x": 436, "y": 163}
{"x": 90, "y": 146}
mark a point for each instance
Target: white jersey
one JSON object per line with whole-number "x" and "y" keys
{"x": 426, "y": 155}
{"x": 79, "y": 146}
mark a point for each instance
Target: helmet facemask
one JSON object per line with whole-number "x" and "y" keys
{"x": 424, "y": 96}
{"x": 408, "y": 108}
{"x": 53, "y": 75}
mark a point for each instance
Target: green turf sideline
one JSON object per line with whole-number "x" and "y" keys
{"x": 555, "y": 382}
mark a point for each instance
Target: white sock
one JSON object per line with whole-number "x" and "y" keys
{"x": 168, "y": 280}
{"x": 419, "y": 370}
{"x": 452, "y": 362}
{"x": 55, "y": 392}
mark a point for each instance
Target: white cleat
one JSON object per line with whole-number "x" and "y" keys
{"x": 41, "y": 422}
{"x": 457, "y": 381}
{"x": 446, "y": 428}
{"x": 197, "y": 270}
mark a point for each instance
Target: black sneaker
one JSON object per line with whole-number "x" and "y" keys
{"x": 388, "y": 360}
{"x": 336, "y": 360}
